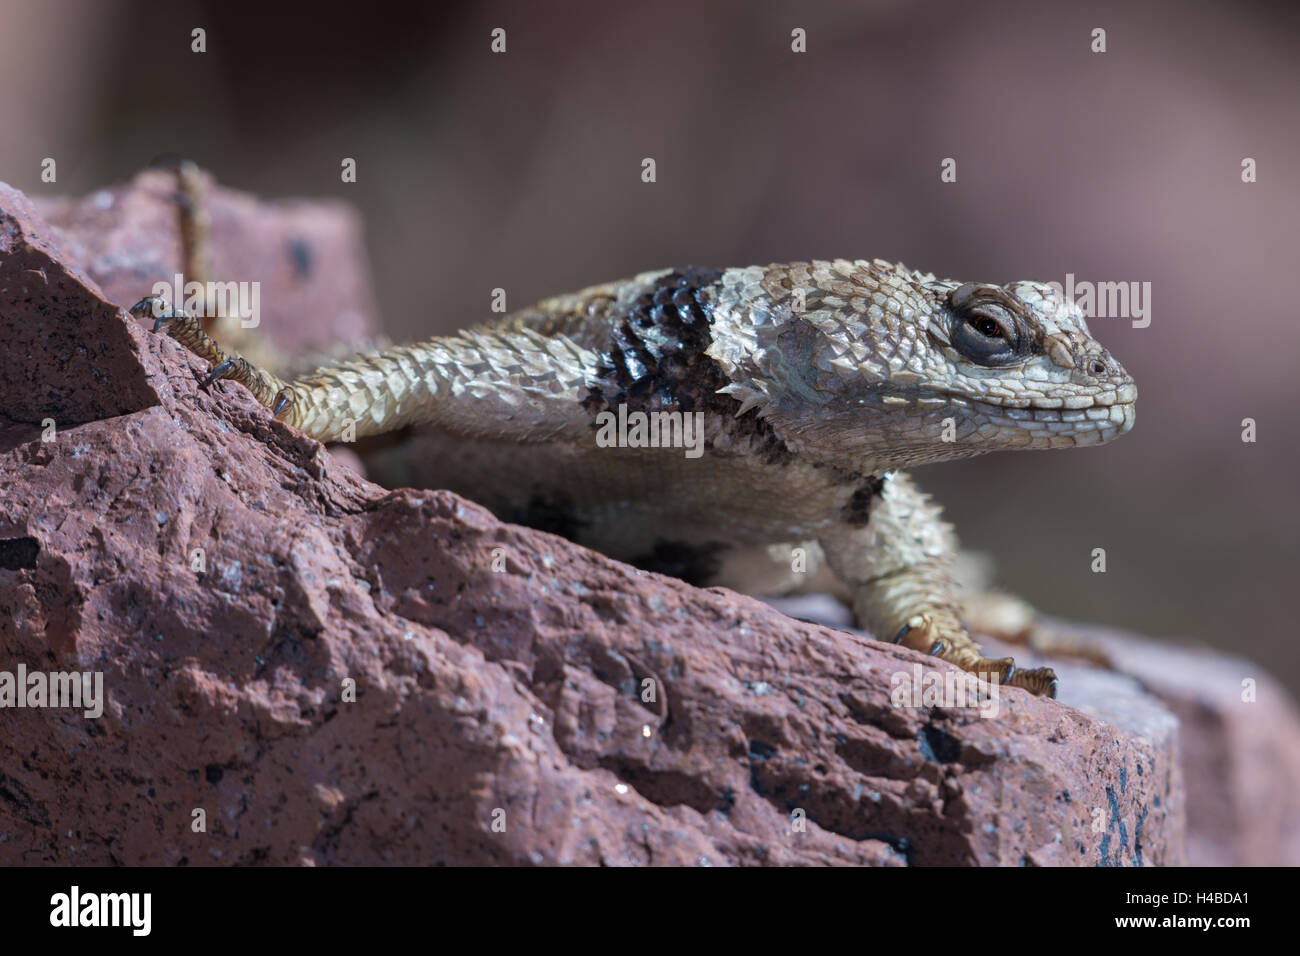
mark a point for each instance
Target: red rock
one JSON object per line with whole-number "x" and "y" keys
{"x": 67, "y": 354}
{"x": 498, "y": 669}
{"x": 308, "y": 255}
{"x": 1240, "y": 746}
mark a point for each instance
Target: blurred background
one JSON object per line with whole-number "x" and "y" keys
{"x": 522, "y": 171}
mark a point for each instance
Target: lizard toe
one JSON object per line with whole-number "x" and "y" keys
{"x": 221, "y": 370}
{"x": 1001, "y": 668}
{"x": 284, "y": 401}
{"x": 1039, "y": 680}
{"x": 146, "y": 307}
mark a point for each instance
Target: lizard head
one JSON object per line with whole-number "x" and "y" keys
{"x": 873, "y": 360}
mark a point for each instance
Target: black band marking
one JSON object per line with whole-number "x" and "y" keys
{"x": 658, "y": 360}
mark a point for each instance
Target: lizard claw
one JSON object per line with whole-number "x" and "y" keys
{"x": 914, "y": 622}
{"x": 149, "y": 305}
{"x": 283, "y": 399}
{"x": 923, "y": 633}
{"x": 219, "y": 372}
{"x": 1003, "y": 668}
{"x": 1039, "y": 680}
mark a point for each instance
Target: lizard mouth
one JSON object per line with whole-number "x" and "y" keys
{"x": 1061, "y": 427}
{"x": 1064, "y": 427}
{"x": 1084, "y": 419}
{"x": 1043, "y": 406}
{"x": 1099, "y": 413}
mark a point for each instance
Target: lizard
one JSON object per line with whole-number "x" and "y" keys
{"x": 813, "y": 388}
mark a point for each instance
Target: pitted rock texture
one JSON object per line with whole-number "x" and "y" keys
{"x": 234, "y": 584}
{"x": 66, "y": 351}
{"x": 1238, "y": 730}
{"x": 1239, "y": 735}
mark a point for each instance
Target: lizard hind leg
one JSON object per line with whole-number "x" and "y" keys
{"x": 269, "y": 390}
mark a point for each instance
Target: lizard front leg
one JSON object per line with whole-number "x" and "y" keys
{"x": 188, "y": 331}
{"x": 508, "y": 383}
{"x": 898, "y": 567}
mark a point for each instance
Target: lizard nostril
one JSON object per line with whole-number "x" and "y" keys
{"x": 1098, "y": 368}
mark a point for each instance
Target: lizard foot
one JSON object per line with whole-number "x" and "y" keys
{"x": 1012, "y": 620}
{"x": 188, "y": 331}
{"x": 923, "y": 633}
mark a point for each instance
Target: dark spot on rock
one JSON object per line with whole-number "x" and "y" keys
{"x": 1137, "y": 836}
{"x": 1116, "y": 821}
{"x": 938, "y": 745}
{"x": 300, "y": 254}
{"x": 901, "y": 845}
{"x": 214, "y": 773}
{"x": 19, "y": 554}
{"x": 21, "y": 804}
{"x": 761, "y": 751}
{"x": 667, "y": 788}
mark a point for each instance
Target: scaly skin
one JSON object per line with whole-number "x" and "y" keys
{"x": 817, "y": 382}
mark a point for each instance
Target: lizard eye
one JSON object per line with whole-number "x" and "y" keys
{"x": 985, "y": 331}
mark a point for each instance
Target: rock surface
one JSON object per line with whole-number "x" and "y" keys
{"x": 308, "y": 256}
{"x": 1240, "y": 740}
{"x": 1238, "y": 731}
{"x": 233, "y": 583}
